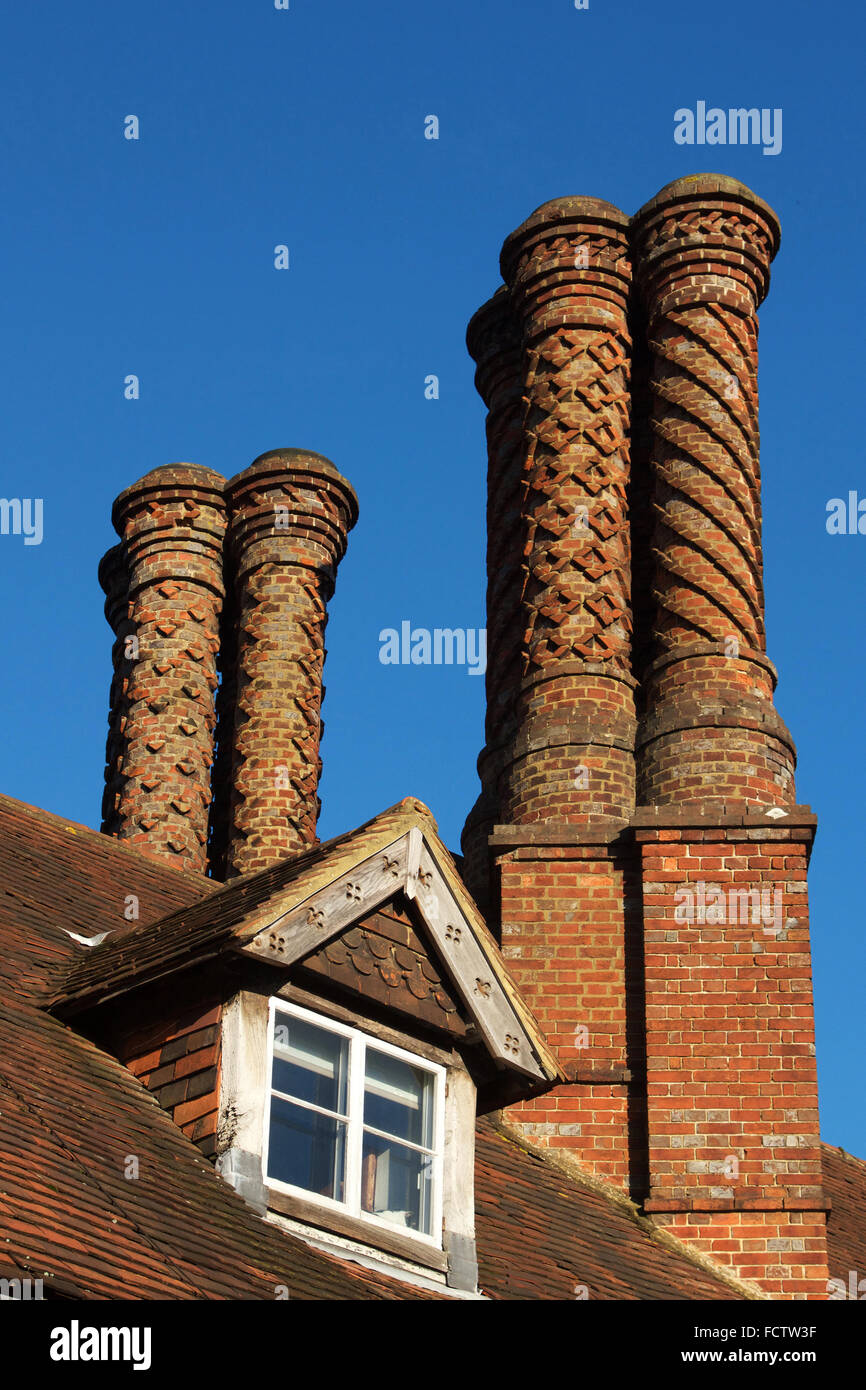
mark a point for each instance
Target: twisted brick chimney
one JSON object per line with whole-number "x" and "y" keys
{"x": 709, "y": 733}
{"x": 604, "y": 849}
{"x": 732, "y": 1103}
{"x": 164, "y": 591}
{"x": 288, "y": 516}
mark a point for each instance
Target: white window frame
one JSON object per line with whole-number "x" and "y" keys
{"x": 358, "y": 1044}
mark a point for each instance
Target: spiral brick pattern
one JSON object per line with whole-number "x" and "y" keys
{"x": 290, "y": 514}
{"x": 703, "y": 249}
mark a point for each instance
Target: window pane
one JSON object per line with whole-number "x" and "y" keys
{"x": 398, "y": 1098}
{"x": 397, "y": 1183}
{"x": 310, "y": 1063}
{"x": 307, "y": 1150}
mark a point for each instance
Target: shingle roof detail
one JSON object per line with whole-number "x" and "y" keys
{"x": 55, "y": 874}
{"x": 844, "y": 1180}
{"x": 72, "y": 1118}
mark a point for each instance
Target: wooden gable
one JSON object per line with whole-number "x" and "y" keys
{"x": 304, "y": 921}
{"x": 386, "y": 959}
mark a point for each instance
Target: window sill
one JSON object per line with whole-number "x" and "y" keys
{"x": 376, "y": 1237}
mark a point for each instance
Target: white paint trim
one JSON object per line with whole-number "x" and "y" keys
{"x": 391, "y": 1266}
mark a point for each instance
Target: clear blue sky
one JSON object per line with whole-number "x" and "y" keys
{"x": 306, "y": 127}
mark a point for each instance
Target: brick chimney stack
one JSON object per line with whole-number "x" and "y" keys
{"x": 709, "y": 733}
{"x": 114, "y": 579}
{"x": 553, "y": 354}
{"x": 734, "y": 1160}
{"x": 649, "y": 888}
{"x": 290, "y": 515}
{"x": 568, "y": 272}
{"x": 495, "y": 342}
{"x": 166, "y": 622}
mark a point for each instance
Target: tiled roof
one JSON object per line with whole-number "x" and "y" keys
{"x": 72, "y": 1119}
{"x": 71, "y": 1216}
{"x": 845, "y": 1185}
{"x": 236, "y": 911}
{"x": 199, "y": 932}
{"x": 55, "y": 874}
{"x": 542, "y": 1234}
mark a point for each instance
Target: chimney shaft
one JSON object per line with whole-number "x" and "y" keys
{"x": 710, "y": 733}
{"x": 172, "y": 523}
{"x": 290, "y": 514}
{"x": 560, "y": 729}
{"x": 114, "y": 579}
{"x": 494, "y": 341}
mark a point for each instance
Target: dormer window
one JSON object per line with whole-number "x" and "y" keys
{"x": 354, "y": 1123}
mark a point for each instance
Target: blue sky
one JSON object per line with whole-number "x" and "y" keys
{"x": 306, "y": 127}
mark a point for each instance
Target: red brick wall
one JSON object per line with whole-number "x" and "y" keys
{"x": 570, "y": 935}
{"x": 732, "y": 1098}
{"x": 783, "y": 1253}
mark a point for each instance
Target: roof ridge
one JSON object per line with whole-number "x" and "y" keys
{"x": 844, "y": 1153}
{"x": 252, "y": 892}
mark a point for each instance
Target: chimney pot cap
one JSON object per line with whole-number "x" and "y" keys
{"x": 572, "y": 208}
{"x": 290, "y": 460}
{"x": 193, "y": 476}
{"x": 709, "y": 186}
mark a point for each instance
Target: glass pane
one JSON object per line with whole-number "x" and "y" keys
{"x": 398, "y": 1098}
{"x": 307, "y": 1150}
{"x": 397, "y": 1183}
{"x": 310, "y": 1063}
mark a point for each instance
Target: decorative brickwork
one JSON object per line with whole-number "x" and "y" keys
{"x": 161, "y": 725}
{"x": 688, "y": 1041}
{"x": 114, "y": 578}
{"x": 291, "y": 512}
{"x": 495, "y": 342}
{"x": 703, "y": 249}
{"x": 561, "y": 721}
{"x": 568, "y": 271}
